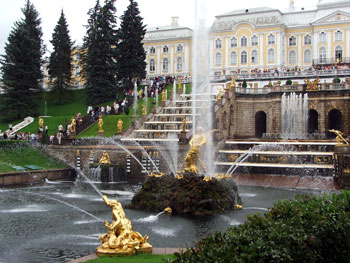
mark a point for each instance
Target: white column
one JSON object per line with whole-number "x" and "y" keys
{"x": 314, "y": 45}
{"x": 159, "y": 69}
{"x": 348, "y": 42}
{"x": 261, "y": 52}
{"x": 227, "y": 64}
{"x": 187, "y": 58}
{"x": 279, "y": 49}
{"x": 329, "y": 44}
{"x": 171, "y": 62}
{"x": 299, "y": 50}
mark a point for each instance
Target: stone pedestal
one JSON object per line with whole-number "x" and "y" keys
{"x": 342, "y": 166}
{"x": 101, "y": 134}
{"x": 182, "y": 138}
{"x": 73, "y": 135}
{"x": 162, "y": 103}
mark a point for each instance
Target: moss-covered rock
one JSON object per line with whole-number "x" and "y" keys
{"x": 190, "y": 195}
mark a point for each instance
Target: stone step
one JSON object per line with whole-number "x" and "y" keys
{"x": 278, "y": 165}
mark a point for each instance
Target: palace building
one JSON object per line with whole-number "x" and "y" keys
{"x": 257, "y": 39}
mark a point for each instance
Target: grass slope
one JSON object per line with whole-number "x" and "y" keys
{"x": 20, "y": 156}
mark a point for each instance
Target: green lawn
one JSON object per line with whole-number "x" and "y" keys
{"x": 22, "y": 155}
{"x": 139, "y": 258}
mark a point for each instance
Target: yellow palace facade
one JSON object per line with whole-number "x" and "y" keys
{"x": 257, "y": 39}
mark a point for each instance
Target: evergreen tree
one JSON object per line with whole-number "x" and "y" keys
{"x": 130, "y": 52}
{"x": 99, "y": 63}
{"x": 60, "y": 66}
{"x": 21, "y": 66}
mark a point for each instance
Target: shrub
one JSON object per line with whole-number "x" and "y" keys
{"x": 308, "y": 229}
{"x": 244, "y": 85}
{"x": 289, "y": 82}
{"x": 336, "y": 80}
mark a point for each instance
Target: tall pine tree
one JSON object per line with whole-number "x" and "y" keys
{"x": 60, "y": 65}
{"x": 99, "y": 62}
{"x": 131, "y": 55}
{"x": 21, "y": 66}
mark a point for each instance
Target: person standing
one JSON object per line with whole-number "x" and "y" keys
{"x": 59, "y": 137}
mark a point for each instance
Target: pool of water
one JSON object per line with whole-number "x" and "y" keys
{"x": 44, "y": 224}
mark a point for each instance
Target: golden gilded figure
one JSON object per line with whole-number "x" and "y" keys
{"x": 73, "y": 125}
{"x": 339, "y": 137}
{"x": 121, "y": 239}
{"x": 163, "y": 95}
{"x": 183, "y": 125}
{"x": 105, "y": 158}
{"x": 100, "y": 123}
{"x": 144, "y": 110}
{"x": 193, "y": 156}
{"x": 120, "y": 125}
{"x": 41, "y": 122}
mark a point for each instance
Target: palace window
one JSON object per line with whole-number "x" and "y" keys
{"x": 244, "y": 41}
{"x": 338, "y": 53}
{"x": 77, "y": 71}
{"x": 179, "y": 64}
{"x": 152, "y": 65}
{"x": 307, "y": 56}
{"x": 271, "y": 39}
{"x": 218, "y": 59}
{"x": 218, "y": 43}
{"x": 338, "y": 36}
{"x": 307, "y": 40}
{"x": 255, "y": 56}
{"x": 254, "y": 41}
{"x": 233, "y": 58}
{"x": 179, "y": 49}
{"x": 233, "y": 42}
{"x": 323, "y": 55}
{"x": 292, "y": 41}
{"x": 152, "y": 50}
{"x": 271, "y": 56}
{"x": 165, "y": 64}
{"x": 244, "y": 57}
{"x": 165, "y": 49}
{"x": 292, "y": 57}
{"x": 322, "y": 37}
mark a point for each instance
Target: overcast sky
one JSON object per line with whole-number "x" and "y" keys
{"x": 154, "y": 12}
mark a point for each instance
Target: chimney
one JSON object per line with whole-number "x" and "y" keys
{"x": 175, "y": 21}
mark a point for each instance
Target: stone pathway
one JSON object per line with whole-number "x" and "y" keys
{"x": 156, "y": 251}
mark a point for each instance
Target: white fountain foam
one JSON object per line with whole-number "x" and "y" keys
{"x": 25, "y": 209}
{"x": 149, "y": 219}
{"x": 81, "y": 222}
{"x": 256, "y": 208}
{"x": 167, "y": 232}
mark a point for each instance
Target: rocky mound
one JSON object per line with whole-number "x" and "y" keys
{"x": 190, "y": 195}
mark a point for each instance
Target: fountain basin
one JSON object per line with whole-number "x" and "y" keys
{"x": 190, "y": 195}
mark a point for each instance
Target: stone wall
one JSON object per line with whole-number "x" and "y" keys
{"x": 235, "y": 114}
{"x": 19, "y": 178}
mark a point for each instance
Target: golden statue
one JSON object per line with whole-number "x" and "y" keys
{"x": 308, "y": 84}
{"x": 121, "y": 239}
{"x": 41, "y": 122}
{"x": 180, "y": 87}
{"x": 183, "y": 125}
{"x": 120, "y": 125}
{"x": 163, "y": 95}
{"x": 144, "y": 110}
{"x": 72, "y": 125}
{"x": 179, "y": 176}
{"x": 207, "y": 178}
{"x": 233, "y": 82}
{"x": 339, "y": 137}
{"x": 219, "y": 97}
{"x": 168, "y": 210}
{"x": 193, "y": 155}
{"x": 100, "y": 123}
{"x": 314, "y": 84}
{"x": 105, "y": 158}
{"x": 156, "y": 175}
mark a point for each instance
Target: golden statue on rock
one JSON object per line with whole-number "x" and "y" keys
{"x": 73, "y": 125}
{"x": 121, "y": 239}
{"x": 105, "y": 158}
{"x": 120, "y": 125}
{"x": 100, "y": 124}
{"x": 193, "y": 156}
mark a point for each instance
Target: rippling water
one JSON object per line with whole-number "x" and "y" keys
{"x": 38, "y": 229}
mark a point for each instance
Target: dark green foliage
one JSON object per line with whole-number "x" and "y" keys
{"x": 190, "y": 195}
{"x": 289, "y": 82}
{"x": 308, "y": 229}
{"x": 21, "y": 67}
{"x": 60, "y": 66}
{"x": 244, "y": 84}
{"x": 99, "y": 60}
{"x": 130, "y": 52}
{"x": 336, "y": 80}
